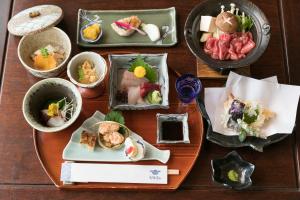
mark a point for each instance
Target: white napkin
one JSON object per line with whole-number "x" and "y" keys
{"x": 280, "y": 98}
{"x": 113, "y": 173}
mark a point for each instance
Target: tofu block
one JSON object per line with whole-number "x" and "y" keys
{"x": 208, "y": 24}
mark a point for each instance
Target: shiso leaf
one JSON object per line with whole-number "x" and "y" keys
{"x": 151, "y": 73}
{"x": 115, "y": 116}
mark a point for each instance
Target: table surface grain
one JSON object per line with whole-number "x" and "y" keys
{"x": 277, "y": 169}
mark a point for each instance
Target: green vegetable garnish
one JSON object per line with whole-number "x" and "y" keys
{"x": 242, "y": 135}
{"x": 154, "y": 97}
{"x": 245, "y": 22}
{"x": 44, "y": 52}
{"x": 115, "y": 116}
{"x": 248, "y": 118}
{"x": 151, "y": 73}
{"x": 233, "y": 175}
{"x": 80, "y": 74}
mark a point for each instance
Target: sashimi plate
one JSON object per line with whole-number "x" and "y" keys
{"x": 74, "y": 151}
{"x": 165, "y": 19}
{"x": 121, "y": 62}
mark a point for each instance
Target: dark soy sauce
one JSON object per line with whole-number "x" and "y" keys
{"x": 172, "y": 130}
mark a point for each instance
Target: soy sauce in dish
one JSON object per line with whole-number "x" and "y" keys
{"x": 172, "y": 130}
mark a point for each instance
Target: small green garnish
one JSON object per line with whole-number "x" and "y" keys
{"x": 151, "y": 73}
{"x": 242, "y": 135}
{"x": 154, "y": 97}
{"x": 248, "y": 118}
{"x": 80, "y": 74}
{"x": 233, "y": 175}
{"x": 245, "y": 22}
{"x": 115, "y": 116}
{"x": 44, "y": 52}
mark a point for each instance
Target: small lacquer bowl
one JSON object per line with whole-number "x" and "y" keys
{"x": 101, "y": 70}
{"x": 232, "y": 165}
{"x": 162, "y": 139}
{"x": 88, "y": 40}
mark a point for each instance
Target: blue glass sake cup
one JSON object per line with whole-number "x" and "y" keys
{"x": 188, "y": 87}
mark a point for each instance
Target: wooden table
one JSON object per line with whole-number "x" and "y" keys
{"x": 277, "y": 169}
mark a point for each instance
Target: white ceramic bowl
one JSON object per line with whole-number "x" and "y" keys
{"x": 43, "y": 91}
{"x": 30, "y": 43}
{"x": 98, "y": 61}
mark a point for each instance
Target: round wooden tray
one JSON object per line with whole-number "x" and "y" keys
{"x": 49, "y": 146}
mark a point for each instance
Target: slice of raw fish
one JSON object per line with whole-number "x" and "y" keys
{"x": 130, "y": 80}
{"x": 134, "y": 96}
{"x": 56, "y": 121}
{"x": 44, "y": 114}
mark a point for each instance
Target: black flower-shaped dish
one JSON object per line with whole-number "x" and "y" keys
{"x": 232, "y": 171}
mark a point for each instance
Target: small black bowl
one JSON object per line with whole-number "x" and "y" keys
{"x": 260, "y": 31}
{"x": 232, "y": 161}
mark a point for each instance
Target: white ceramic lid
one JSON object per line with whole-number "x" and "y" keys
{"x": 22, "y": 24}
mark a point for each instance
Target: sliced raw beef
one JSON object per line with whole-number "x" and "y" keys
{"x": 229, "y": 46}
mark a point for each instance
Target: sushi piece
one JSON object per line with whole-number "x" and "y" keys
{"x": 126, "y": 26}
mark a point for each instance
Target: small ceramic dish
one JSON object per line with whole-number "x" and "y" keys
{"x": 164, "y": 139}
{"x": 30, "y": 43}
{"x": 88, "y": 40}
{"x": 232, "y": 171}
{"x": 120, "y": 63}
{"x": 135, "y": 148}
{"x": 99, "y": 64}
{"x": 43, "y": 91}
{"x": 126, "y": 134}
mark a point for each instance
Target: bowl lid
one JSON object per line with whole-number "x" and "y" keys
{"x": 35, "y": 19}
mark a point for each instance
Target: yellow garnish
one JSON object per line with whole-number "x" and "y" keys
{"x": 44, "y": 62}
{"x": 53, "y": 109}
{"x": 139, "y": 72}
{"x": 92, "y": 32}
